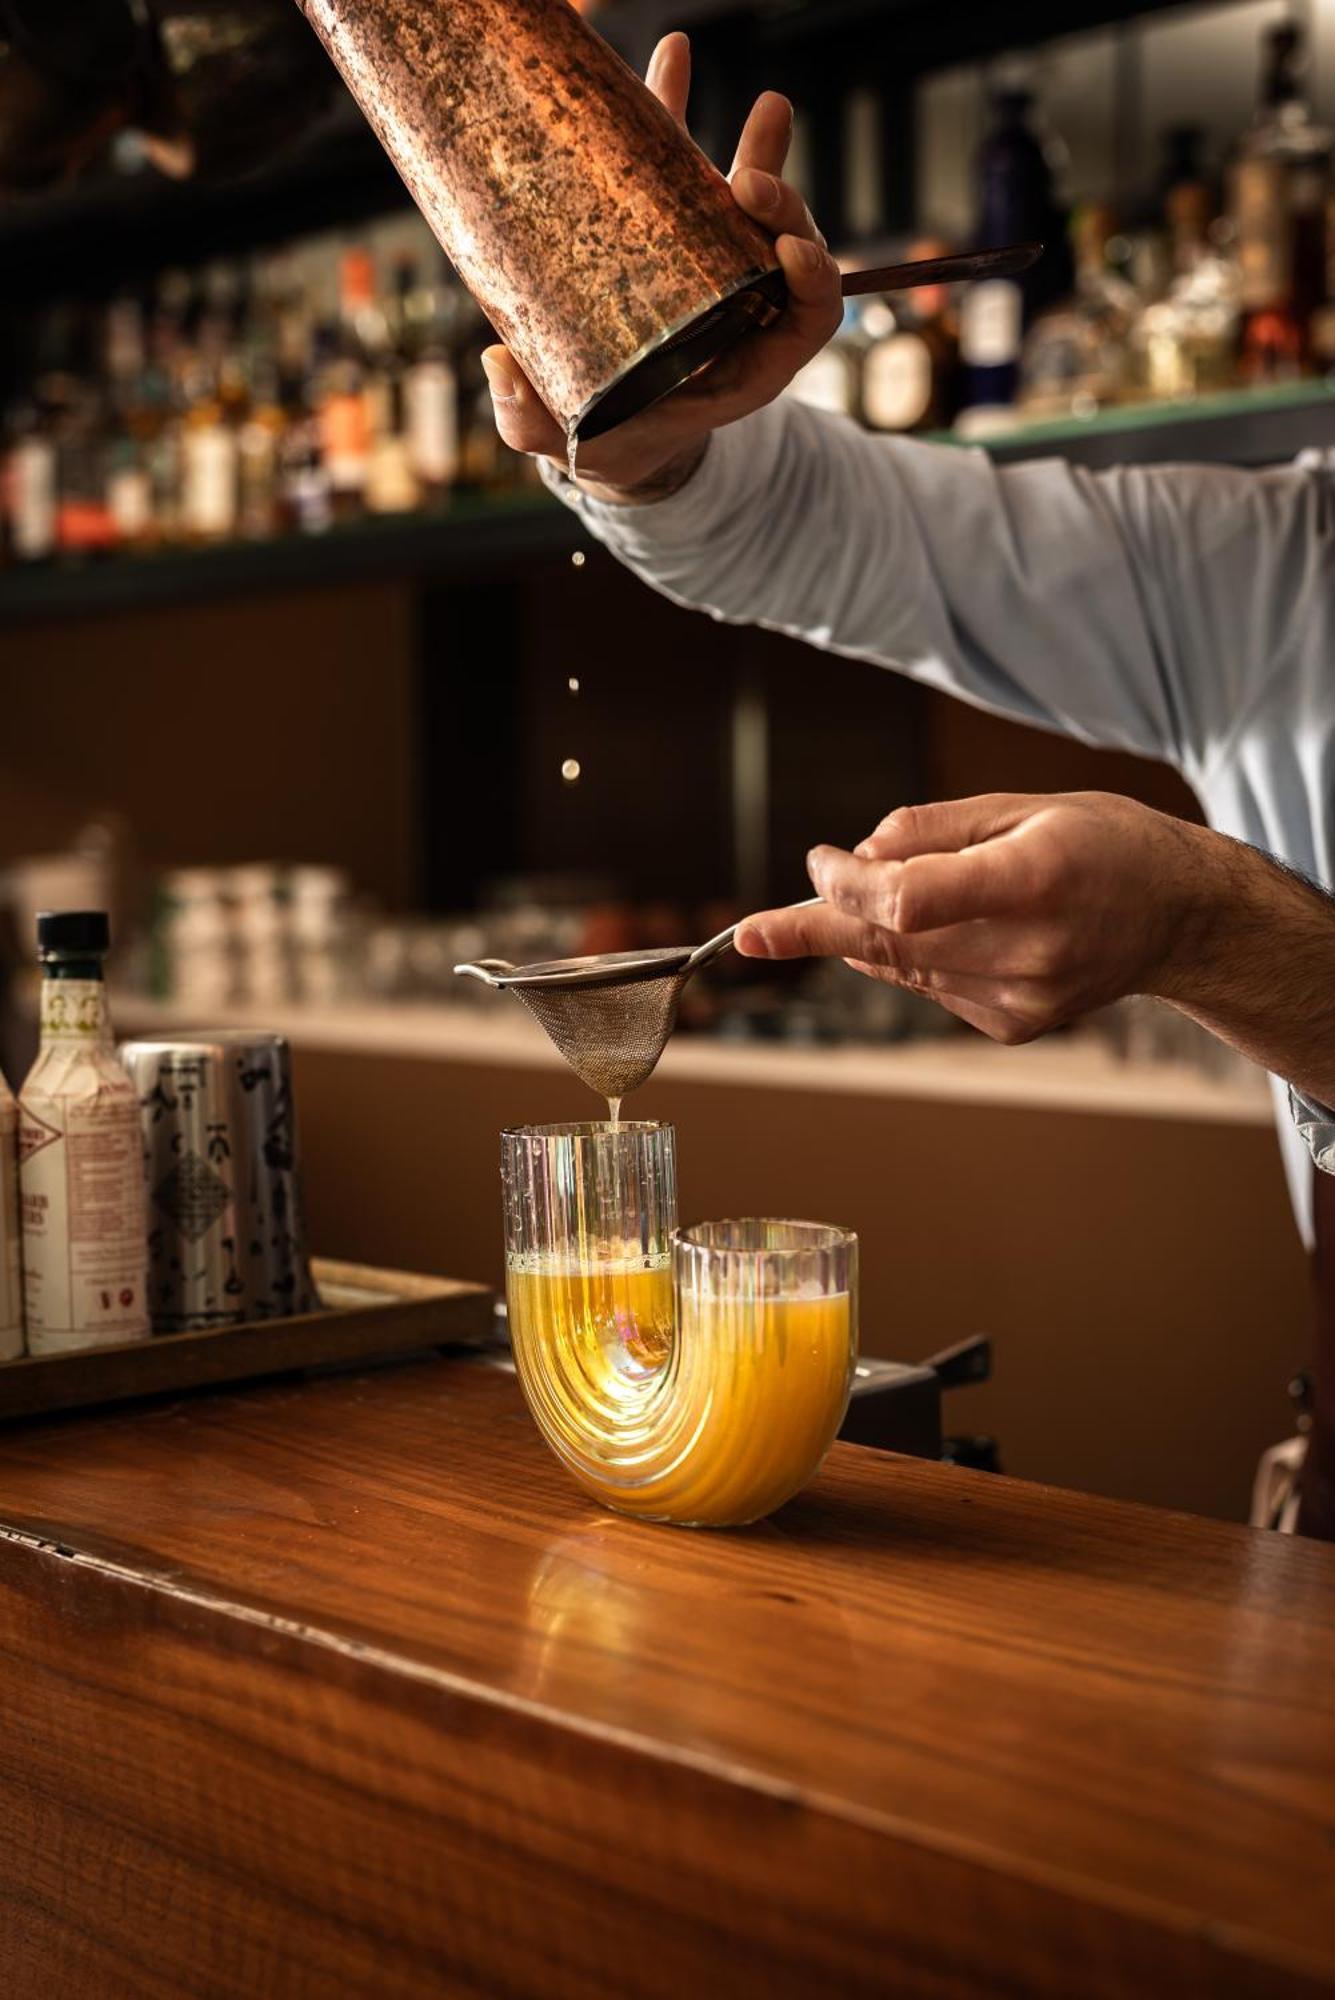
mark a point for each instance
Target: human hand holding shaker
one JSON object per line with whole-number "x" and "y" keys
{"x": 614, "y": 259}
{"x": 600, "y": 242}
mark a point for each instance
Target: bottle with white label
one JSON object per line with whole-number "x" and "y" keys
{"x": 1016, "y": 204}
{"x": 910, "y": 373}
{"x": 81, "y": 1170}
{"x": 11, "y": 1269}
{"x": 30, "y": 489}
{"x": 831, "y": 380}
{"x": 430, "y": 382}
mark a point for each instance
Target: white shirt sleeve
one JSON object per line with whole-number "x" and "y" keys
{"x": 1143, "y": 608}
{"x": 1316, "y": 1122}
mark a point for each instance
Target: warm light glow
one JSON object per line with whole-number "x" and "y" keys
{"x": 573, "y": 684}
{"x": 578, "y": 559}
{"x": 570, "y": 770}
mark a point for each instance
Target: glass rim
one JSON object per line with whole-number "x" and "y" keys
{"x": 815, "y": 1235}
{"x": 587, "y": 1129}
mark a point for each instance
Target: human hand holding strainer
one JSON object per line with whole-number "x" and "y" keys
{"x": 609, "y": 1015}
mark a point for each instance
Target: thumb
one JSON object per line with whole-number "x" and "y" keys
{"x": 522, "y": 418}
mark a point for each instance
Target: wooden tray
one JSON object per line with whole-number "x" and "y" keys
{"x": 369, "y": 1313}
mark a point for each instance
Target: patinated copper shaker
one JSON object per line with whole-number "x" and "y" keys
{"x": 599, "y": 241}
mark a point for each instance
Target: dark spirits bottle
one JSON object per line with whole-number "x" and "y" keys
{"x": 1015, "y": 203}
{"x": 1281, "y": 181}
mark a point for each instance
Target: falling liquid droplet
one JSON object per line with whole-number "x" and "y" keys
{"x": 570, "y": 770}
{"x": 577, "y": 560}
{"x": 573, "y": 684}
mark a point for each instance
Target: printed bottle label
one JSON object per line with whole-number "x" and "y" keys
{"x": 85, "y": 1250}
{"x": 32, "y": 498}
{"x": 210, "y": 481}
{"x": 11, "y": 1268}
{"x": 130, "y": 501}
{"x": 433, "y": 422}
{"x": 897, "y": 382}
{"x": 345, "y": 436}
{"x": 991, "y": 324}
{"x": 825, "y": 383}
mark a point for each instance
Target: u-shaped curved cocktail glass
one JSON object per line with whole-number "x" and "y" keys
{"x": 696, "y": 1376}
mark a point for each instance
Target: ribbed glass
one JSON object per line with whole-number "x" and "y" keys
{"x": 767, "y": 1334}
{"x": 710, "y": 1409}
{"x": 589, "y": 1216}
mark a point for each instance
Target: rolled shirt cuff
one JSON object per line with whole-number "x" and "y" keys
{"x": 1316, "y": 1122}
{"x": 737, "y": 463}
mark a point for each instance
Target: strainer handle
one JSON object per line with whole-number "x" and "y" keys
{"x": 703, "y": 953}
{"x": 491, "y": 970}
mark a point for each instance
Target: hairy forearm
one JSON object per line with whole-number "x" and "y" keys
{"x": 1258, "y": 968}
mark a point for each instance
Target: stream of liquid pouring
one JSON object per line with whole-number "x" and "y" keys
{"x": 572, "y": 471}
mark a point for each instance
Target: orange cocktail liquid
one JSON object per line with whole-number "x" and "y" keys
{"x": 714, "y": 1423}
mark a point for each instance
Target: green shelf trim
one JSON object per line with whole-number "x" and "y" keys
{"x": 1128, "y": 419}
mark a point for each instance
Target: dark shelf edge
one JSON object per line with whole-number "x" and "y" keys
{"x": 467, "y": 540}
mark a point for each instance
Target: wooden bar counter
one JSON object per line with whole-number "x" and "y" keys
{"x": 338, "y": 1688}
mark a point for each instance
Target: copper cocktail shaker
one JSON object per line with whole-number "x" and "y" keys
{"x": 599, "y": 241}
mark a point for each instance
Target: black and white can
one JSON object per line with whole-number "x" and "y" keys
{"x": 227, "y": 1234}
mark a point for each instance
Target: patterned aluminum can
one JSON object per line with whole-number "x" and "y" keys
{"x": 227, "y": 1234}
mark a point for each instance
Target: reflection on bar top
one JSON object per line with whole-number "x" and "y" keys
{"x": 1075, "y": 1073}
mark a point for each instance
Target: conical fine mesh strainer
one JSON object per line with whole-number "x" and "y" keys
{"x": 611, "y": 1015}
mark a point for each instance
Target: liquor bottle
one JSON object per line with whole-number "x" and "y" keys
{"x": 391, "y": 478}
{"x": 129, "y": 492}
{"x": 344, "y": 429}
{"x": 168, "y": 370}
{"x": 431, "y": 387}
{"x": 81, "y": 1176}
{"x": 1075, "y": 357}
{"x": 208, "y": 459}
{"x": 129, "y": 423}
{"x": 64, "y": 392}
{"x": 911, "y": 364}
{"x": 1015, "y": 204}
{"x": 303, "y": 472}
{"x": 164, "y": 456}
{"x": 30, "y": 486}
{"x": 832, "y": 379}
{"x": 482, "y": 463}
{"x": 1280, "y": 187}
{"x": 1185, "y": 343}
{"x": 84, "y": 523}
{"x": 391, "y": 481}
{"x": 259, "y": 446}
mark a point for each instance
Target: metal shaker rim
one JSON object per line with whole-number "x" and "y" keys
{"x": 681, "y": 351}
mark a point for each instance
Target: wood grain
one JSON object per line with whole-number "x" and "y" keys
{"x": 369, "y": 1313}
{"x": 339, "y": 1688}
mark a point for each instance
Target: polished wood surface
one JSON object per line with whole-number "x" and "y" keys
{"x": 340, "y": 1688}
{"x": 368, "y": 1314}
{"x": 1145, "y": 1288}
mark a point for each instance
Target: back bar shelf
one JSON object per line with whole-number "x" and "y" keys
{"x": 505, "y": 535}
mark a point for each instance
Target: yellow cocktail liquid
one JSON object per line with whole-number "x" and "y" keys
{"x": 715, "y": 1424}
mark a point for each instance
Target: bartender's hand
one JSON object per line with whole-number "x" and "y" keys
{"x": 654, "y": 454}
{"x": 1019, "y": 914}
